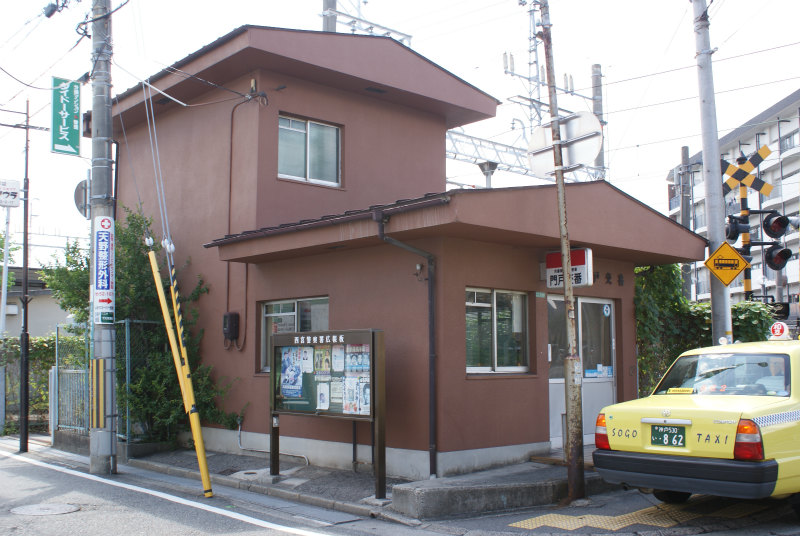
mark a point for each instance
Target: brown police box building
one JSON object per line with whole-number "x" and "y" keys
{"x": 306, "y": 183}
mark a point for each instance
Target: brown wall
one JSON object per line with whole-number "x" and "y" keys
{"x": 389, "y": 152}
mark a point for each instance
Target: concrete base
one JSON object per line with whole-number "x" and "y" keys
{"x": 71, "y": 442}
{"x": 79, "y": 444}
{"x": 400, "y": 463}
{"x": 488, "y": 491}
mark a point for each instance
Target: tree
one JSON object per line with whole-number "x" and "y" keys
{"x": 668, "y": 325}
{"x": 153, "y": 394}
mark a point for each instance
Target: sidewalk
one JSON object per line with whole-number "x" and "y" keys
{"x": 527, "y": 484}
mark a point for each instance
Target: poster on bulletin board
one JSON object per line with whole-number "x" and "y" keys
{"x": 329, "y": 373}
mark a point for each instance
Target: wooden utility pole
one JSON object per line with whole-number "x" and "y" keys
{"x": 573, "y": 369}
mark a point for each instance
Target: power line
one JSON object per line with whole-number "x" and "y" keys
{"x": 695, "y": 96}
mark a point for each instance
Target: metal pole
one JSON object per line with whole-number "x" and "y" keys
{"x": 102, "y": 438}
{"x": 597, "y": 109}
{"x": 5, "y": 276}
{"x": 721, "y": 326}
{"x": 23, "y": 337}
{"x": 573, "y": 370}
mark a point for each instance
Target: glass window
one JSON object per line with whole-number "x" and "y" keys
{"x": 289, "y": 316}
{"x": 728, "y": 374}
{"x": 308, "y": 151}
{"x": 496, "y": 331}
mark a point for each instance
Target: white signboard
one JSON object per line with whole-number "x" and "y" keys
{"x": 103, "y": 284}
{"x": 9, "y": 193}
{"x": 581, "y": 264}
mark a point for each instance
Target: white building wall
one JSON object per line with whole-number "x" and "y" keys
{"x": 778, "y": 127}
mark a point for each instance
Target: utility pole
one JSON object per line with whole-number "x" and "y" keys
{"x": 24, "y": 343}
{"x": 102, "y": 437}
{"x": 597, "y": 109}
{"x": 573, "y": 369}
{"x": 721, "y": 325}
{"x": 684, "y": 185}
{"x": 328, "y": 18}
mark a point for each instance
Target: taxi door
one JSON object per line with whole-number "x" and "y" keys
{"x": 596, "y": 347}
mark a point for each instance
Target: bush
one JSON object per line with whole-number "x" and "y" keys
{"x": 668, "y": 325}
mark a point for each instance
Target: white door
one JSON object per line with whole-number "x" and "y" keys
{"x": 596, "y": 348}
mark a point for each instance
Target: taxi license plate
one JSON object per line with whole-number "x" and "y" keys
{"x": 667, "y": 436}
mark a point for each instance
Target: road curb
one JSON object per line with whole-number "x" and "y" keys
{"x": 289, "y": 495}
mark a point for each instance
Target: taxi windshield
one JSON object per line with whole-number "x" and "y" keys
{"x": 728, "y": 374}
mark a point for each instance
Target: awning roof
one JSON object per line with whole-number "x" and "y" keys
{"x": 600, "y": 216}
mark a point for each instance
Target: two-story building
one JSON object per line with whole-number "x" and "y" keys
{"x": 304, "y": 174}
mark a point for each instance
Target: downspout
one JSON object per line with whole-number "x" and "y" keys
{"x": 379, "y": 217}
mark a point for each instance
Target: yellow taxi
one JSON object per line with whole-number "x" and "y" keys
{"x": 723, "y": 421}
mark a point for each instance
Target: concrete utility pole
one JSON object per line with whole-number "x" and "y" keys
{"x": 721, "y": 324}
{"x": 328, "y": 21}
{"x": 102, "y": 437}
{"x": 573, "y": 369}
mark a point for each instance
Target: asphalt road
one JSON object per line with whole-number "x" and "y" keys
{"x": 57, "y": 497}
{"x": 46, "y": 492}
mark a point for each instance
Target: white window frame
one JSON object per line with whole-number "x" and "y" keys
{"x": 266, "y": 347}
{"x": 309, "y": 148}
{"x": 494, "y": 368}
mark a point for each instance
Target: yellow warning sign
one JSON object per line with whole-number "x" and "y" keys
{"x": 726, "y": 263}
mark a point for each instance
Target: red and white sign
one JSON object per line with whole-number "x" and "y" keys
{"x": 582, "y": 272}
{"x": 780, "y": 331}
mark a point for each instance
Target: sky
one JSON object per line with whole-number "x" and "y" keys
{"x": 646, "y": 50}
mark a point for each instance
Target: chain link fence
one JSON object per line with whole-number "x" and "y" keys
{"x": 139, "y": 343}
{"x": 60, "y": 382}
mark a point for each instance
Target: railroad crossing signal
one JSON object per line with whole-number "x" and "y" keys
{"x": 726, "y": 263}
{"x": 741, "y": 174}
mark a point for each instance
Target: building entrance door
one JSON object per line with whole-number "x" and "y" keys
{"x": 596, "y": 347}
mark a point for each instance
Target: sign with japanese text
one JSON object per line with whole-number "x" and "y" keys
{"x": 581, "y": 261}
{"x": 9, "y": 193}
{"x": 324, "y": 373}
{"x": 66, "y": 126}
{"x": 103, "y": 283}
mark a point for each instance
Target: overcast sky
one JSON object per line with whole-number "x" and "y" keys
{"x": 646, "y": 51}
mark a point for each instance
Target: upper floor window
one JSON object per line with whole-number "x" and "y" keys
{"x": 497, "y": 331}
{"x": 289, "y": 316}
{"x": 308, "y": 151}
{"x": 790, "y": 140}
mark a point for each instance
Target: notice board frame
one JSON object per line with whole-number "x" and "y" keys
{"x": 339, "y": 374}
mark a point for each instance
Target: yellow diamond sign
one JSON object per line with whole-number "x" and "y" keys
{"x": 726, "y": 263}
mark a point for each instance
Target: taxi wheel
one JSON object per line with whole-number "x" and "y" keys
{"x": 671, "y": 497}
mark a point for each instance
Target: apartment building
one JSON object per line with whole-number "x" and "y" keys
{"x": 778, "y": 128}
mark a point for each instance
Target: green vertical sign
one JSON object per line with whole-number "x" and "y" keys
{"x": 66, "y": 126}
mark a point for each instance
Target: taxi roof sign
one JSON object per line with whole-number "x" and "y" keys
{"x": 779, "y": 331}
{"x": 726, "y": 263}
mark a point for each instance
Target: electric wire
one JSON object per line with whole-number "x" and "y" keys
{"x": 38, "y": 20}
{"x": 48, "y": 69}
{"x": 84, "y": 31}
{"x": 130, "y": 158}
{"x": 160, "y": 194}
{"x": 204, "y": 81}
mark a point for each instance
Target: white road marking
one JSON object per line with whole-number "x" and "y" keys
{"x": 168, "y": 497}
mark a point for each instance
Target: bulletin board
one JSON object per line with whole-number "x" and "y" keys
{"x": 329, "y": 373}
{"x": 334, "y": 374}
